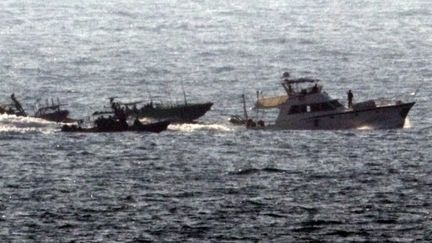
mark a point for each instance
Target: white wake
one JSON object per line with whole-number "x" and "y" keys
{"x": 199, "y": 127}
{"x": 20, "y": 124}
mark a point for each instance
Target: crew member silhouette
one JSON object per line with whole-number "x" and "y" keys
{"x": 350, "y": 98}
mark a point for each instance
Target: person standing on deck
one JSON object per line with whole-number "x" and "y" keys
{"x": 350, "y": 98}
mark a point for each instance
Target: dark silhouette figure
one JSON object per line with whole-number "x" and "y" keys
{"x": 350, "y": 98}
{"x": 315, "y": 88}
{"x": 18, "y": 106}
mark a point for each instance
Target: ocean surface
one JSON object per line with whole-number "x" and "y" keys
{"x": 212, "y": 181}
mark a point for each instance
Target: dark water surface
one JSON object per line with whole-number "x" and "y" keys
{"x": 213, "y": 182}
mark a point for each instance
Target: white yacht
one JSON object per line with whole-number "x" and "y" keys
{"x": 307, "y": 106}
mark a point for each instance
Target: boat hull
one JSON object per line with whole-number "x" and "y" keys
{"x": 385, "y": 117}
{"x": 155, "y": 127}
{"x": 177, "y": 114}
{"x": 58, "y": 116}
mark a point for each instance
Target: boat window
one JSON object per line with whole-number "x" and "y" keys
{"x": 321, "y": 107}
{"x": 303, "y": 109}
{"x": 327, "y": 107}
{"x": 315, "y": 107}
{"x": 297, "y": 109}
{"x": 294, "y": 109}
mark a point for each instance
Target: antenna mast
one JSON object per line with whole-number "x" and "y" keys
{"x": 244, "y": 108}
{"x": 184, "y": 93}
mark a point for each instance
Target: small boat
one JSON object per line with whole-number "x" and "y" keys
{"x": 306, "y": 106}
{"x": 49, "y": 112}
{"x": 110, "y": 125}
{"x": 53, "y": 113}
{"x": 7, "y": 109}
{"x": 237, "y": 120}
{"x": 116, "y": 122}
{"x": 176, "y": 113}
{"x": 15, "y": 108}
{"x": 248, "y": 122}
{"x": 179, "y": 113}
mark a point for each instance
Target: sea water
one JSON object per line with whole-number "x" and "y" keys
{"x": 212, "y": 181}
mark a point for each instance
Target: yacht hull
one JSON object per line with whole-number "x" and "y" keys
{"x": 384, "y": 117}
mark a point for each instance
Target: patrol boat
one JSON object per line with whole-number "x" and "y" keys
{"x": 306, "y": 106}
{"x": 50, "y": 112}
{"x": 116, "y": 122}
